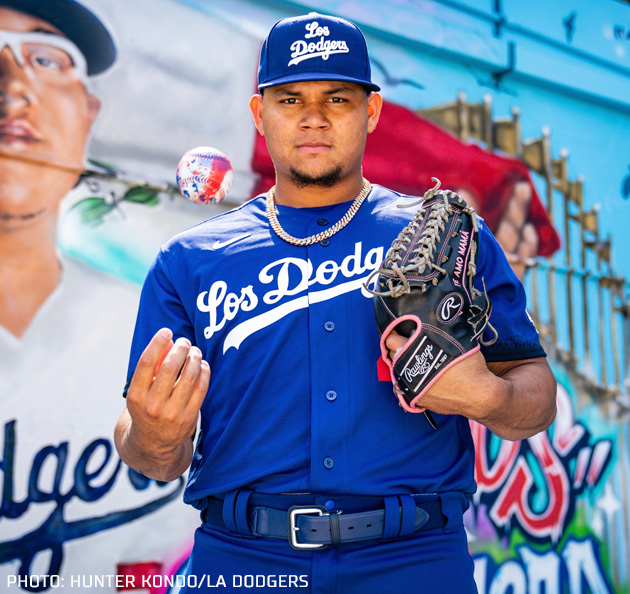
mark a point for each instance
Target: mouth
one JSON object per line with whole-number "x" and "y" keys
{"x": 314, "y": 147}
{"x": 20, "y": 132}
{"x": 7, "y": 217}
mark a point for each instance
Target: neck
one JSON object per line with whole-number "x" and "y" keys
{"x": 29, "y": 273}
{"x": 288, "y": 194}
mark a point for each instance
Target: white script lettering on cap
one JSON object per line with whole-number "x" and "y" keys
{"x": 302, "y": 50}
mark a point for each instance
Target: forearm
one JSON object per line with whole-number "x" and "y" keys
{"x": 520, "y": 400}
{"x": 164, "y": 463}
{"x": 514, "y": 399}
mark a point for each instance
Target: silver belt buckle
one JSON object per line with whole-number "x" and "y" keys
{"x": 303, "y": 510}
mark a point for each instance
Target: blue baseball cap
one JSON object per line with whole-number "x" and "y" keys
{"x": 78, "y": 24}
{"x": 314, "y": 47}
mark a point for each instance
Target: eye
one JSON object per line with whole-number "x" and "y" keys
{"x": 338, "y": 100}
{"x": 45, "y": 63}
{"x": 45, "y": 57}
{"x": 289, "y": 101}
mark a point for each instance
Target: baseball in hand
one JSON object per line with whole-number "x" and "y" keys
{"x": 204, "y": 175}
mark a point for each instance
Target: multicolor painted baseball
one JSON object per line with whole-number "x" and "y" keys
{"x": 204, "y": 175}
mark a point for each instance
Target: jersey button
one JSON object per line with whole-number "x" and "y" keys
{"x": 329, "y": 326}
{"x": 322, "y": 222}
{"x": 328, "y": 462}
{"x": 331, "y": 395}
{"x": 325, "y": 242}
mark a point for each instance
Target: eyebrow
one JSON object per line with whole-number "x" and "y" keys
{"x": 339, "y": 90}
{"x": 282, "y": 91}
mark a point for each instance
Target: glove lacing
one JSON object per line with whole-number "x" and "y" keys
{"x": 422, "y": 257}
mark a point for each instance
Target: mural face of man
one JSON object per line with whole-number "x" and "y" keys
{"x": 45, "y": 113}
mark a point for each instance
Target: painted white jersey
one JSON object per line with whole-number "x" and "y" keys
{"x": 69, "y": 505}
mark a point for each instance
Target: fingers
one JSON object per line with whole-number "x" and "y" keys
{"x": 201, "y": 389}
{"x": 192, "y": 384}
{"x": 150, "y": 361}
{"x": 172, "y": 372}
{"x": 394, "y": 342}
{"x": 171, "y": 368}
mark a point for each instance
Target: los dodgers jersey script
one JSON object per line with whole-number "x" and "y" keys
{"x": 295, "y": 403}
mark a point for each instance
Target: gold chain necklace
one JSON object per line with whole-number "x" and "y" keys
{"x": 340, "y": 224}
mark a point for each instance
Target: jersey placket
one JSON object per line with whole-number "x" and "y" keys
{"x": 329, "y": 334}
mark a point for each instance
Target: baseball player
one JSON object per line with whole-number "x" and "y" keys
{"x": 306, "y": 472}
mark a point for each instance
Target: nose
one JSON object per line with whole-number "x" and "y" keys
{"x": 314, "y": 116}
{"x": 16, "y": 94}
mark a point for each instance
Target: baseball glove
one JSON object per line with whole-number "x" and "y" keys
{"x": 425, "y": 292}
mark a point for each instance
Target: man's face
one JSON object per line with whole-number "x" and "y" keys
{"x": 46, "y": 113}
{"x": 316, "y": 131}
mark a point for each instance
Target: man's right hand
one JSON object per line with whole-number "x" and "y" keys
{"x": 154, "y": 434}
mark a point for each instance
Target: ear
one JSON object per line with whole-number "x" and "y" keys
{"x": 256, "y": 107}
{"x": 94, "y": 106}
{"x": 375, "y": 104}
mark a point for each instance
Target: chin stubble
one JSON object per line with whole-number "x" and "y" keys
{"x": 326, "y": 180}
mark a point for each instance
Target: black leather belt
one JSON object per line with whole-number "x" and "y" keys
{"x": 312, "y": 527}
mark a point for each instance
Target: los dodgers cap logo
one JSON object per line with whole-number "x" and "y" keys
{"x": 314, "y": 47}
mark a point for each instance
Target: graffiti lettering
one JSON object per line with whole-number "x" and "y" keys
{"x": 514, "y": 499}
{"x": 534, "y": 484}
{"x": 543, "y": 572}
{"x": 90, "y": 483}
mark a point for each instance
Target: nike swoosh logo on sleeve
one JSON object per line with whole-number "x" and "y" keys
{"x": 221, "y": 244}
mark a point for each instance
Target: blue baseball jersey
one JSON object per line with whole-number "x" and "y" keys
{"x": 295, "y": 404}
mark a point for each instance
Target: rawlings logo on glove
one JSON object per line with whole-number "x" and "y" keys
{"x": 425, "y": 292}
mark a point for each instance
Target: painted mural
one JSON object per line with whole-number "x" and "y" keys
{"x": 521, "y": 107}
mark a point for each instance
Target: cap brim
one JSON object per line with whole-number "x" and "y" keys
{"x": 310, "y": 76}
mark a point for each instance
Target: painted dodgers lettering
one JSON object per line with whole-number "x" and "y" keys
{"x": 302, "y": 50}
{"x": 94, "y": 464}
{"x": 288, "y": 277}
